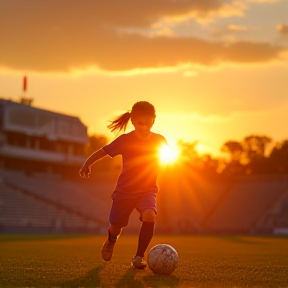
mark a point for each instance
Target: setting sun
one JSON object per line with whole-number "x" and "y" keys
{"x": 167, "y": 154}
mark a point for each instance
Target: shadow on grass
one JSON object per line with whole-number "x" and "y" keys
{"x": 158, "y": 281}
{"x": 134, "y": 278}
{"x": 92, "y": 279}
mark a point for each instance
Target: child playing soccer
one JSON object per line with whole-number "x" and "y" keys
{"x": 136, "y": 186}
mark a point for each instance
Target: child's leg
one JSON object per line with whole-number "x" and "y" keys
{"x": 108, "y": 246}
{"x": 147, "y": 230}
{"x": 119, "y": 216}
{"x": 114, "y": 232}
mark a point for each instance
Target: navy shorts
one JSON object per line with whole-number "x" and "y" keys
{"x": 123, "y": 206}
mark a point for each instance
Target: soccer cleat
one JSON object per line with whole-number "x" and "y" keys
{"x": 107, "y": 250}
{"x": 138, "y": 262}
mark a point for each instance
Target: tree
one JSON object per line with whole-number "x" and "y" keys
{"x": 95, "y": 142}
{"x": 278, "y": 158}
{"x": 210, "y": 165}
{"x": 234, "y": 149}
{"x": 188, "y": 150}
{"x": 254, "y": 150}
{"x": 255, "y": 146}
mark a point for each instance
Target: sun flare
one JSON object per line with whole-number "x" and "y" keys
{"x": 167, "y": 154}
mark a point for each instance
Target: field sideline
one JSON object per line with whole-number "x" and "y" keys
{"x": 205, "y": 261}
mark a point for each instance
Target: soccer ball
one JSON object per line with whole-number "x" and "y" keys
{"x": 162, "y": 259}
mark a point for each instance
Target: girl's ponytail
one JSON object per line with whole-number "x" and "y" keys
{"x": 139, "y": 109}
{"x": 120, "y": 123}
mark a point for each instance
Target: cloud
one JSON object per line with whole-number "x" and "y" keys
{"x": 235, "y": 8}
{"x": 110, "y": 52}
{"x": 164, "y": 31}
{"x": 224, "y": 10}
{"x": 264, "y": 1}
{"x": 124, "y": 13}
{"x": 229, "y": 32}
{"x": 282, "y": 29}
{"x": 237, "y": 28}
{"x": 62, "y": 36}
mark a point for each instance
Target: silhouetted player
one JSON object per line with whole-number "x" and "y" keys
{"x": 136, "y": 186}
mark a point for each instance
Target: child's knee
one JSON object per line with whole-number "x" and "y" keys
{"x": 115, "y": 230}
{"x": 149, "y": 215}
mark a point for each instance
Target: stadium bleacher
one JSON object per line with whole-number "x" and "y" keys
{"x": 277, "y": 218}
{"x": 247, "y": 202}
{"x": 21, "y": 212}
{"x": 186, "y": 203}
{"x": 185, "y": 198}
{"x": 48, "y": 201}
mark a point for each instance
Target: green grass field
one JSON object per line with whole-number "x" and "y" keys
{"x": 204, "y": 261}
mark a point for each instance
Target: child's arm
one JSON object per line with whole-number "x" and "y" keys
{"x": 85, "y": 170}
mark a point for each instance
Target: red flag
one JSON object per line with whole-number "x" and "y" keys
{"x": 24, "y": 83}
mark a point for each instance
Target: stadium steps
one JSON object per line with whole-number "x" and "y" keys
{"x": 21, "y": 210}
{"x": 245, "y": 204}
{"x": 56, "y": 204}
{"x": 217, "y": 204}
{"x": 185, "y": 198}
{"x": 88, "y": 199}
{"x": 277, "y": 216}
{"x": 69, "y": 196}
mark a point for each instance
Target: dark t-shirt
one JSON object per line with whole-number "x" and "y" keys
{"x": 140, "y": 162}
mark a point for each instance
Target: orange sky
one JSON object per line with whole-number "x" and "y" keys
{"x": 215, "y": 70}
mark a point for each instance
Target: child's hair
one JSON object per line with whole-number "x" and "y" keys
{"x": 141, "y": 108}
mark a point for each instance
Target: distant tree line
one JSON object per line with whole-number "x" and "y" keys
{"x": 249, "y": 156}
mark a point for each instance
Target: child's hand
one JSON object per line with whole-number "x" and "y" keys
{"x": 85, "y": 171}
